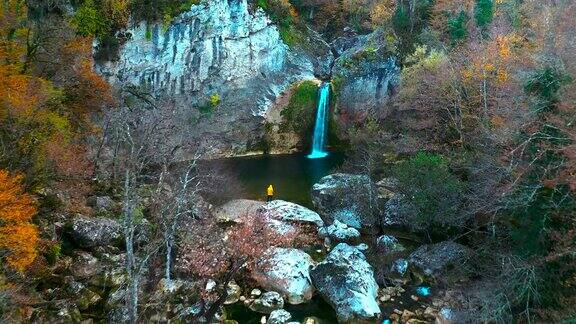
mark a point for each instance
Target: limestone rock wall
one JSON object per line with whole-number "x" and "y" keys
{"x": 222, "y": 48}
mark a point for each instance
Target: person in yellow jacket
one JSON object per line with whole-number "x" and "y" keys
{"x": 270, "y": 193}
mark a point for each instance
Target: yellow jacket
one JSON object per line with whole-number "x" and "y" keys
{"x": 270, "y": 190}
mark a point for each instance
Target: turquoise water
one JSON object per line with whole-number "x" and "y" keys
{"x": 291, "y": 175}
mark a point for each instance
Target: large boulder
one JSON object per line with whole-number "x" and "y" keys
{"x": 287, "y": 272}
{"x": 101, "y": 203}
{"x": 85, "y": 265}
{"x": 346, "y": 281}
{"x": 281, "y": 216}
{"x": 279, "y": 316}
{"x": 349, "y": 198}
{"x": 291, "y": 212}
{"x": 234, "y": 210}
{"x": 434, "y": 258}
{"x": 397, "y": 212}
{"x": 339, "y": 231}
{"x": 91, "y": 233}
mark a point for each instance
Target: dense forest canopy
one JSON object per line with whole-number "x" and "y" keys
{"x": 479, "y": 135}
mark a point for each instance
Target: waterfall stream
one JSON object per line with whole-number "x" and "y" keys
{"x": 319, "y": 139}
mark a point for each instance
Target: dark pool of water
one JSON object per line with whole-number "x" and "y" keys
{"x": 316, "y": 307}
{"x": 291, "y": 175}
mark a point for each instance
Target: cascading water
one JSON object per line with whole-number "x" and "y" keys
{"x": 319, "y": 139}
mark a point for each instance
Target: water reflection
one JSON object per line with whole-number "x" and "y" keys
{"x": 291, "y": 175}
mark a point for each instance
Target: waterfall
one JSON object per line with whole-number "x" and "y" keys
{"x": 319, "y": 139}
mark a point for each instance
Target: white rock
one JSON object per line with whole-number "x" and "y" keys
{"x": 349, "y": 198}
{"x": 389, "y": 244}
{"x": 279, "y": 316}
{"x": 400, "y": 266}
{"x": 234, "y": 210}
{"x": 446, "y": 315}
{"x": 221, "y": 47}
{"x": 346, "y": 281}
{"x": 286, "y": 271}
{"x": 339, "y": 231}
{"x": 363, "y": 247}
{"x": 287, "y": 211}
{"x": 210, "y": 285}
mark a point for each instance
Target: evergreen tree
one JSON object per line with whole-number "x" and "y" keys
{"x": 484, "y": 12}
{"x": 457, "y": 26}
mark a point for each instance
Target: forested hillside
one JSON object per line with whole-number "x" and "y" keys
{"x": 140, "y": 140}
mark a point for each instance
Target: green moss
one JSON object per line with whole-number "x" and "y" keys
{"x": 148, "y": 32}
{"x": 299, "y": 115}
{"x": 291, "y": 36}
{"x": 53, "y": 254}
{"x": 214, "y": 100}
{"x": 368, "y": 54}
{"x": 262, "y": 4}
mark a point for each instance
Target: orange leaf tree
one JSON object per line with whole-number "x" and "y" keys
{"x": 18, "y": 236}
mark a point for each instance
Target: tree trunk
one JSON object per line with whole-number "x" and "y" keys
{"x": 168, "y": 259}
{"x": 485, "y": 94}
{"x": 211, "y": 312}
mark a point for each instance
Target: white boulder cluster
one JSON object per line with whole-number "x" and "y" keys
{"x": 343, "y": 278}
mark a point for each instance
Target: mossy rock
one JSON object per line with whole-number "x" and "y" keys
{"x": 300, "y": 113}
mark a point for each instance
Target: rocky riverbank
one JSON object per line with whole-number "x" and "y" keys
{"x": 362, "y": 273}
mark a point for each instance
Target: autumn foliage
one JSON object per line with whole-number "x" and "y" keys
{"x": 48, "y": 94}
{"x": 17, "y": 234}
{"x": 210, "y": 250}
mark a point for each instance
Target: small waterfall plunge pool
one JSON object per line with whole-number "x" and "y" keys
{"x": 291, "y": 175}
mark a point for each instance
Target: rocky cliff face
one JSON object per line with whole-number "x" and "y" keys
{"x": 224, "y": 67}
{"x": 222, "y": 50}
{"x": 366, "y": 76}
